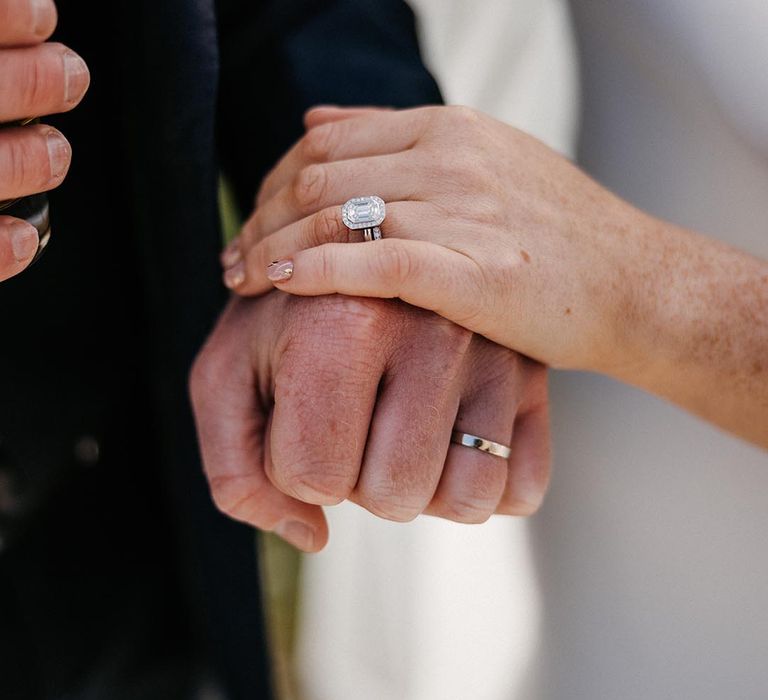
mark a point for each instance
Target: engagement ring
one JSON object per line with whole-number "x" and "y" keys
{"x": 366, "y": 213}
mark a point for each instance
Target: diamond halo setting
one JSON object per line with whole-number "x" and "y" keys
{"x": 365, "y": 213}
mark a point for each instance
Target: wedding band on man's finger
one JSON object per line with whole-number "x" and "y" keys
{"x": 483, "y": 444}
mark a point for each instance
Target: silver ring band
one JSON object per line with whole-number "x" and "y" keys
{"x": 494, "y": 448}
{"x": 372, "y": 234}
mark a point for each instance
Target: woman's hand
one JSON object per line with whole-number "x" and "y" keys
{"x": 485, "y": 225}
{"x": 36, "y": 79}
{"x": 491, "y": 229}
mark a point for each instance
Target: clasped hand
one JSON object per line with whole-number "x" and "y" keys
{"x": 302, "y": 403}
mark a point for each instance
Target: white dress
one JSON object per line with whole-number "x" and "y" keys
{"x": 652, "y": 549}
{"x": 646, "y": 574}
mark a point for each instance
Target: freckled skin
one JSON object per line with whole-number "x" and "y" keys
{"x": 659, "y": 307}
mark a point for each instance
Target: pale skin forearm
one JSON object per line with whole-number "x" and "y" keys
{"x": 697, "y": 329}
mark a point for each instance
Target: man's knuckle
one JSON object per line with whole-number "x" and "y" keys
{"x": 310, "y": 187}
{"x": 318, "y": 481}
{"x": 236, "y": 497}
{"x": 392, "y": 507}
{"x": 467, "y": 509}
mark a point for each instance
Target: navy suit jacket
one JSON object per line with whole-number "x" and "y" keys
{"x": 118, "y": 578}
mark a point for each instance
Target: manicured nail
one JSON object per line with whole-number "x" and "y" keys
{"x": 280, "y": 270}
{"x": 298, "y": 534}
{"x": 59, "y": 153}
{"x": 42, "y": 20}
{"x": 24, "y": 241}
{"x": 235, "y": 276}
{"x": 231, "y": 255}
{"x": 76, "y": 77}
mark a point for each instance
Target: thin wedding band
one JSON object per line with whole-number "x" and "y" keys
{"x": 494, "y": 448}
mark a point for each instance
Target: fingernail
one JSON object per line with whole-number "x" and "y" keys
{"x": 280, "y": 270}
{"x": 76, "y": 77}
{"x": 231, "y": 255}
{"x": 296, "y": 533}
{"x": 41, "y": 16}
{"x": 235, "y": 276}
{"x": 24, "y": 241}
{"x": 59, "y": 153}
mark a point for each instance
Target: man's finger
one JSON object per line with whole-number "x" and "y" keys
{"x": 32, "y": 159}
{"x": 26, "y": 22}
{"x": 411, "y": 427}
{"x": 18, "y": 245}
{"x": 473, "y": 482}
{"x": 530, "y": 462}
{"x": 325, "y": 391}
{"x": 232, "y": 427}
{"x": 40, "y": 80}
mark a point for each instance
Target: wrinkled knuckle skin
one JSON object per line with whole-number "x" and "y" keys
{"x": 19, "y": 165}
{"x": 324, "y": 228}
{"x": 310, "y": 188}
{"x": 396, "y": 491}
{"x": 477, "y": 497}
{"x": 390, "y": 507}
{"x": 467, "y": 510}
{"x": 314, "y": 482}
{"x": 231, "y": 499}
{"x": 325, "y": 322}
{"x": 520, "y": 509}
{"x": 320, "y": 143}
{"x": 34, "y": 86}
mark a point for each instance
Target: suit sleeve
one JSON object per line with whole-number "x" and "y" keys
{"x": 280, "y": 57}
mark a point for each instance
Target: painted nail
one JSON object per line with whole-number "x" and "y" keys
{"x": 296, "y": 533}
{"x": 235, "y": 276}
{"x": 24, "y": 241}
{"x": 59, "y": 154}
{"x": 280, "y": 270}
{"x": 231, "y": 255}
{"x": 76, "y": 77}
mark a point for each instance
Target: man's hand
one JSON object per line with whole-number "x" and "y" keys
{"x": 36, "y": 79}
{"x": 307, "y": 402}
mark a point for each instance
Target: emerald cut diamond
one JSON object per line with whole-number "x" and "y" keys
{"x": 364, "y": 212}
